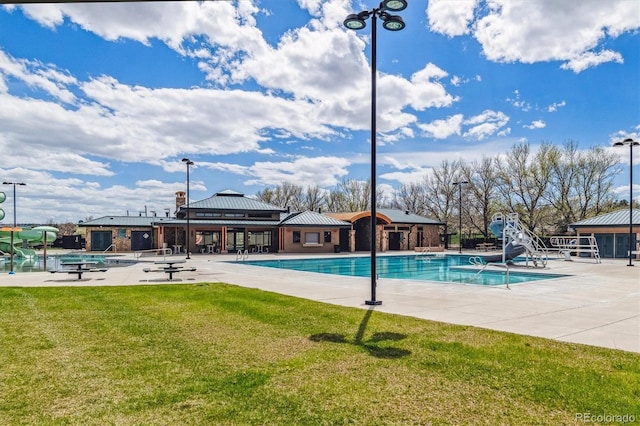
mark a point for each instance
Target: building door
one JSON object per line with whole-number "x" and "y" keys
{"x": 622, "y": 245}
{"x": 395, "y": 240}
{"x": 141, "y": 240}
{"x": 101, "y": 240}
{"x": 235, "y": 240}
{"x": 605, "y": 245}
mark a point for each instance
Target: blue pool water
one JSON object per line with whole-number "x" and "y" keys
{"x": 449, "y": 268}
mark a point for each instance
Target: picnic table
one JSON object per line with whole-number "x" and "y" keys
{"x": 78, "y": 268}
{"x": 485, "y": 246}
{"x": 169, "y": 267}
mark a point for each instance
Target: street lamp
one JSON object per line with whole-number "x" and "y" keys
{"x": 13, "y": 251}
{"x": 631, "y": 144}
{"x": 188, "y": 163}
{"x": 459, "y": 184}
{"x": 392, "y": 23}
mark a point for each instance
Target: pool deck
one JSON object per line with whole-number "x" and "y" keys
{"x": 598, "y": 304}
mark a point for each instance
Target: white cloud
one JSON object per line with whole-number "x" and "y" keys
{"x": 566, "y": 31}
{"x": 304, "y": 171}
{"x": 486, "y": 124}
{"x": 587, "y": 60}
{"x": 451, "y": 18}
{"x": 442, "y": 129}
{"x": 554, "y": 106}
{"x": 47, "y": 198}
{"x": 537, "y": 124}
{"x": 519, "y": 103}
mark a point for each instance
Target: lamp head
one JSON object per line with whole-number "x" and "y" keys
{"x": 187, "y": 161}
{"x": 395, "y": 5}
{"x": 356, "y": 21}
{"x": 392, "y": 22}
{"x": 627, "y": 141}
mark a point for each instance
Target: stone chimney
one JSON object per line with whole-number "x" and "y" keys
{"x": 181, "y": 199}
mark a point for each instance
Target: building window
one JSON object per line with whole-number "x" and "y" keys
{"x": 208, "y": 214}
{"x": 327, "y": 236}
{"x": 312, "y": 238}
{"x": 296, "y": 236}
{"x": 261, "y": 215}
{"x": 260, "y": 238}
{"x": 122, "y": 233}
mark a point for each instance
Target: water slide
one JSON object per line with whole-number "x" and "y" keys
{"x": 32, "y": 235}
{"x": 517, "y": 240}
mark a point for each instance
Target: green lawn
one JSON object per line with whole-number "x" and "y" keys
{"x": 217, "y": 354}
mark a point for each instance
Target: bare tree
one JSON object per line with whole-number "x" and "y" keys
{"x": 523, "y": 180}
{"x": 335, "y": 201}
{"x": 596, "y": 171}
{"x": 285, "y": 195}
{"x": 314, "y": 198}
{"x": 410, "y": 196}
{"x": 356, "y": 195}
{"x": 441, "y": 199}
{"x": 481, "y": 194}
{"x": 581, "y": 183}
{"x": 268, "y": 196}
{"x": 561, "y": 192}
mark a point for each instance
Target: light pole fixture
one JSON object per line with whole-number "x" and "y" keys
{"x": 631, "y": 144}
{"x": 15, "y": 225}
{"x": 459, "y": 184}
{"x": 188, "y": 163}
{"x": 357, "y": 21}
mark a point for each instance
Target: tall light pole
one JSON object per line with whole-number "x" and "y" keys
{"x": 391, "y": 23}
{"x": 188, "y": 163}
{"x": 631, "y": 144}
{"x": 15, "y": 225}
{"x": 459, "y": 184}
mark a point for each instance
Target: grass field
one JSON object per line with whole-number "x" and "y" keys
{"x": 217, "y": 354}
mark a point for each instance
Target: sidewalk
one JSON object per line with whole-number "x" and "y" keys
{"x": 599, "y": 304}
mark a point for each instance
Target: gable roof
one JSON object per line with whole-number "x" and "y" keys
{"x": 231, "y": 200}
{"x": 311, "y": 218}
{"x": 617, "y": 218}
{"x": 405, "y": 216}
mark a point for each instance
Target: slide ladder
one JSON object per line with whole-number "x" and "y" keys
{"x": 514, "y": 231}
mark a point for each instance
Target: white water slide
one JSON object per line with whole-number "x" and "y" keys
{"x": 515, "y": 235}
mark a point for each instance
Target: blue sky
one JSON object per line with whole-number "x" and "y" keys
{"x": 100, "y": 102}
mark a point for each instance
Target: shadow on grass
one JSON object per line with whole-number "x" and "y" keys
{"x": 375, "y": 345}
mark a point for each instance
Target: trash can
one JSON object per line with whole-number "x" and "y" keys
{"x": 336, "y": 248}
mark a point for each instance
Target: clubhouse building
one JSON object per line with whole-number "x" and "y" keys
{"x": 228, "y": 222}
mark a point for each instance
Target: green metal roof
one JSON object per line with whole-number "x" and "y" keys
{"x": 617, "y": 218}
{"x": 230, "y": 200}
{"x": 405, "y": 216}
{"x": 311, "y": 218}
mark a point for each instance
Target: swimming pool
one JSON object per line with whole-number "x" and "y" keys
{"x": 442, "y": 268}
{"x": 37, "y": 264}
